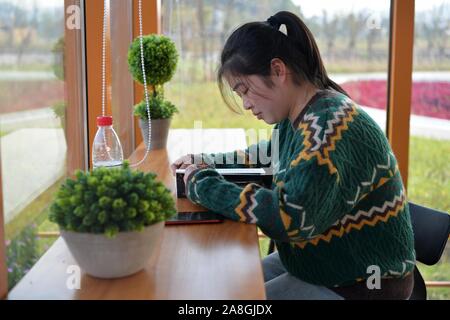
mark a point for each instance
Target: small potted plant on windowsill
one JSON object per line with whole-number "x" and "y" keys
{"x": 160, "y": 61}
{"x": 112, "y": 219}
{"x": 161, "y": 112}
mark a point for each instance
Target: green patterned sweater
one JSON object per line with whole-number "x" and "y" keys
{"x": 337, "y": 204}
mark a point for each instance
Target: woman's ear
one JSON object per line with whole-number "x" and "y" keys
{"x": 278, "y": 70}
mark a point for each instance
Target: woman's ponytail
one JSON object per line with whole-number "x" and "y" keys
{"x": 250, "y": 49}
{"x": 302, "y": 38}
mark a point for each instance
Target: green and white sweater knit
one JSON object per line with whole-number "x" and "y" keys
{"x": 337, "y": 203}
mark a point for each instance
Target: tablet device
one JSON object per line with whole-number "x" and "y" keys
{"x": 238, "y": 176}
{"x": 195, "y": 218}
{"x": 234, "y": 171}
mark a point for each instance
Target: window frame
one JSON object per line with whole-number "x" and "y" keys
{"x": 150, "y": 25}
{"x": 401, "y": 45}
{"x": 3, "y": 269}
{"x": 76, "y": 130}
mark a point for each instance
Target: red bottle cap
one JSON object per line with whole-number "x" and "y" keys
{"x": 104, "y": 121}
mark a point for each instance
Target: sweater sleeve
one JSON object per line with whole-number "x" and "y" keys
{"x": 302, "y": 206}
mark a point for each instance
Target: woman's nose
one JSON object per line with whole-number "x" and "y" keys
{"x": 247, "y": 104}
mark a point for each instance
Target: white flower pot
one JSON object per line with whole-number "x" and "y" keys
{"x": 123, "y": 255}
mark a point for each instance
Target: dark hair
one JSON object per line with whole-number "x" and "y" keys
{"x": 250, "y": 49}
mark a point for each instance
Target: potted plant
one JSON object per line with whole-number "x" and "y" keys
{"x": 112, "y": 219}
{"x": 160, "y": 61}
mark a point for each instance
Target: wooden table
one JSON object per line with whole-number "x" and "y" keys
{"x": 217, "y": 261}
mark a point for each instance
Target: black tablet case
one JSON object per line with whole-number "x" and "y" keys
{"x": 239, "y": 176}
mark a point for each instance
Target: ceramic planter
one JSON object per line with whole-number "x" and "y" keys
{"x": 160, "y": 132}
{"x": 123, "y": 255}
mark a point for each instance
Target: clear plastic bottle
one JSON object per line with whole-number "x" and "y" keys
{"x": 106, "y": 149}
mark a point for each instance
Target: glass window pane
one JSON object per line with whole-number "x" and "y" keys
{"x": 32, "y": 125}
{"x": 429, "y": 157}
{"x": 352, "y": 35}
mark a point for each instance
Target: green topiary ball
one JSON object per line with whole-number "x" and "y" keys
{"x": 160, "y": 59}
{"x": 159, "y": 108}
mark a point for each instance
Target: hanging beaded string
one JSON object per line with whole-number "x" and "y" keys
{"x": 105, "y": 15}
{"x": 145, "y": 87}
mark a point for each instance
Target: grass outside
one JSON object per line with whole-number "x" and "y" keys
{"x": 429, "y": 185}
{"x": 202, "y": 102}
{"x": 429, "y": 173}
{"x": 35, "y": 212}
{"x": 24, "y": 247}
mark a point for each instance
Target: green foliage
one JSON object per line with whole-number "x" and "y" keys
{"x": 429, "y": 173}
{"x": 21, "y": 254}
{"x": 202, "y": 101}
{"x": 160, "y": 59}
{"x": 110, "y": 201}
{"x": 58, "y": 65}
{"x": 159, "y": 108}
{"x": 59, "y": 108}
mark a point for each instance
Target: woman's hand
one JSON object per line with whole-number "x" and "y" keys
{"x": 187, "y": 160}
{"x": 191, "y": 168}
{"x": 182, "y": 163}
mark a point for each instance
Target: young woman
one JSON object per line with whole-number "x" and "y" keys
{"x": 337, "y": 209}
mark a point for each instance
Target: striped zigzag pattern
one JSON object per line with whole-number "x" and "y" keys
{"x": 294, "y": 235}
{"x": 247, "y": 203}
{"x": 371, "y": 183}
{"x": 360, "y": 220}
{"x": 320, "y": 148}
{"x": 397, "y": 273}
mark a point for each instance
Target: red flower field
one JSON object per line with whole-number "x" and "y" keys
{"x": 429, "y": 98}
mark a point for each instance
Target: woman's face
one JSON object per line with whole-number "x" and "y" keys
{"x": 266, "y": 103}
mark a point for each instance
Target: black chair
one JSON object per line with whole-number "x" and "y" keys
{"x": 431, "y": 231}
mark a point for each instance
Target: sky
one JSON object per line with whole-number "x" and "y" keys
{"x": 40, "y": 3}
{"x": 315, "y": 7}
{"x": 309, "y": 7}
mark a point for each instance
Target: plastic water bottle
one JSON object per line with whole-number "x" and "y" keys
{"x": 106, "y": 149}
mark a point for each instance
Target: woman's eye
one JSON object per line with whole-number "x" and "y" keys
{"x": 242, "y": 93}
